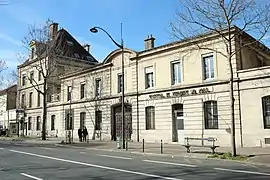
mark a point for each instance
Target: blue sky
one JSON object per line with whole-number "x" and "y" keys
{"x": 139, "y": 17}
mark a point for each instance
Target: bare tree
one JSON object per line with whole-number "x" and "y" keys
{"x": 45, "y": 48}
{"x": 229, "y": 19}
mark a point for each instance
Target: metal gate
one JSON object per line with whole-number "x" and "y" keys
{"x": 128, "y": 124}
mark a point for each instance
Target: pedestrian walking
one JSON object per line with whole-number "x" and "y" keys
{"x": 85, "y": 133}
{"x": 80, "y": 133}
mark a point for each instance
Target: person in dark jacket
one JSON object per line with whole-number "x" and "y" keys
{"x": 85, "y": 133}
{"x": 80, "y": 134}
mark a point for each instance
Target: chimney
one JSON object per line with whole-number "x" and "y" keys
{"x": 87, "y": 47}
{"x": 149, "y": 42}
{"x": 53, "y": 30}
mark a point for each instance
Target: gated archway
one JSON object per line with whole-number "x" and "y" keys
{"x": 116, "y": 121}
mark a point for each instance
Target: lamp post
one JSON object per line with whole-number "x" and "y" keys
{"x": 121, "y": 46}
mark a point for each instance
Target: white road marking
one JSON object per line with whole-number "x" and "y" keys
{"x": 117, "y": 157}
{"x": 82, "y": 152}
{"x": 33, "y": 177}
{"x": 170, "y": 163}
{"x": 96, "y": 166}
{"x": 1, "y": 148}
{"x": 46, "y": 148}
{"x": 241, "y": 171}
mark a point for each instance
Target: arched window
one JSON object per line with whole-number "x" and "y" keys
{"x": 150, "y": 117}
{"x": 210, "y": 115}
{"x": 266, "y": 111}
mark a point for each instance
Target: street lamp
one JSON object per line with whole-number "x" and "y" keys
{"x": 121, "y": 46}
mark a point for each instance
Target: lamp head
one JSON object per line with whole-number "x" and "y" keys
{"x": 94, "y": 30}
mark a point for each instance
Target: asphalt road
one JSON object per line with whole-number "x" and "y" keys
{"x": 21, "y": 161}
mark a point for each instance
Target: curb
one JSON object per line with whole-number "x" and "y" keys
{"x": 166, "y": 155}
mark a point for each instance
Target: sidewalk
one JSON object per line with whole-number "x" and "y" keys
{"x": 258, "y": 156}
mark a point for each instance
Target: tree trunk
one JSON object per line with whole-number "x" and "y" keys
{"x": 44, "y": 111}
{"x": 232, "y": 100}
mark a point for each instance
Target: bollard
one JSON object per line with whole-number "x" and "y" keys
{"x": 126, "y": 145}
{"x": 143, "y": 145}
{"x": 161, "y": 147}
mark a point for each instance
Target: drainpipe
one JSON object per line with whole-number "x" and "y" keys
{"x": 137, "y": 89}
{"x": 239, "y": 99}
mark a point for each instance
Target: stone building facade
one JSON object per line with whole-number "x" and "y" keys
{"x": 172, "y": 91}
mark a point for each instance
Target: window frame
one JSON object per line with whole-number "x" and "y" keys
{"x": 204, "y": 57}
{"x": 69, "y": 89}
{"x": 23, "y": 100}
{"x": 82, "y": 119}
{"x": 52, "y": 122}
{"x": 119, "y": 82}
{"x": 173, "y": 72}
{"x": 213, "y": 122}
{"x": 31, "y": 79}
{"x": 30, "y": 99}
{"x": 98, "y": 91}
{"x": 82, "y": 90}
{"x": 146, "y": 76}
{"x": 23, "y": 79}
{"x": 265, "y": 125}
{"x": 38, "y": 125}
{"x": 150, "y": 121}
{"x": 38, "y": 99}
{"x": 98, "y": 122}
{"x": 29, "y": 123}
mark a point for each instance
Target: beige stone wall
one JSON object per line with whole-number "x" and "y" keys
{"x": 252, "y": 91}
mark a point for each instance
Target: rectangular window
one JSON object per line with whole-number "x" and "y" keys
{"x": 98, "y": 120}
{"x": 31, "y": 77}
{"x": 150, "y": 117}
{"x": 23, "y": 100}
{"x": 120, "y": 83}
{"x": 30, "y": 99}
{"x": 39, "y": 75}
{"x": 208, "y": 67}
{"x": 149, "y": 77}
{"x": 24, "y": 80}
{"x": 38, "y": 99}
{"x": 82, "y": 119}
{"x": 98, "y": 87}
{"x": 266, "y": 112}
{"x": 38, "y": 123}
{"x": 210, "y": 115}
{"x": 53, "y": 122}
{"x": 176, "y": 72}
{"x": 82, "y": 91}
{"x": 69, "y": 93}
{"x": 29, "y": 123}
{"x": 69, "y": 121}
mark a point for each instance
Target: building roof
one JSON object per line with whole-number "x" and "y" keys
{"x": 9, "y": 89}
{"x": 67, "y": 46}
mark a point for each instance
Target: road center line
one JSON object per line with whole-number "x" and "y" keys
{"x": 96, "y": 166}
{"x": 33, "y": 177}
{"x": 241, "y": 171}
{"x": 170, "y": 163}
{"x": 117, "y": 157}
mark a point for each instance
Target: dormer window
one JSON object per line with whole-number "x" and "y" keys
{"x": 70, "y": 43}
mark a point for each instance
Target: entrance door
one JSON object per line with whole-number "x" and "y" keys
{"x": 178, "y": 123}
{"x": 117, "y": 122}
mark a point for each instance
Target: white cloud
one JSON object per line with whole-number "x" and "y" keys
{"x": 9, "y": 39}
{"x": 10, "y": 57}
